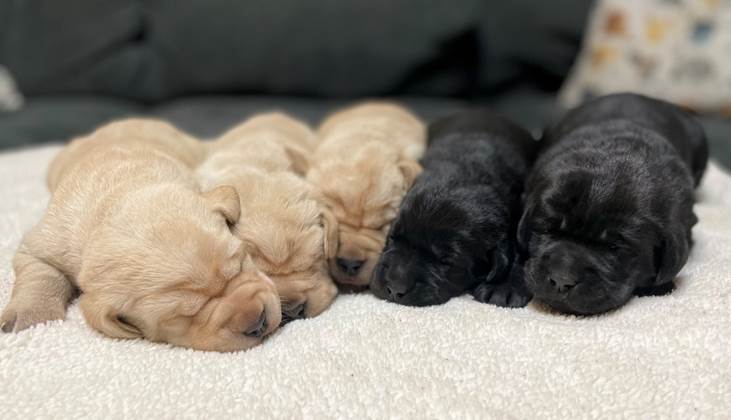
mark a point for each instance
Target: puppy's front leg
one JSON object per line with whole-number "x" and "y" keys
{"x": 510, "y": 292}
{"x": 41, "y": 293}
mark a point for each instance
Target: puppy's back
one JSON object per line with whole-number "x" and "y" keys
{"x": 271, "y": 141}
{"x": 385, "y": 122}
{"x": 676, "y": 125}
{"x": 487, "y": 125}
{"x": 135, "y": 132}
{"x": 479, "y": 147}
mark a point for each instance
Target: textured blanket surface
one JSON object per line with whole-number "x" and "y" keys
{"x": 656, "y": 357}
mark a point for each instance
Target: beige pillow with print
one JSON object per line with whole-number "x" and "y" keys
{"x": 677, "y": 50}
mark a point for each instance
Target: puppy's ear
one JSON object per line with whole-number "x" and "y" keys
{"x": 501, "y": 258}
{"x": 410, "y": 169}
{"x": 105, "y": 319}
{"x": 299, "y": 158}
{"x": 670, "y": 254}
{"x": 224, "y": 200}
{"x": 330, "y": 241}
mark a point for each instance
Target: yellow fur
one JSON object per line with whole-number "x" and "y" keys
{"x": 152, "y": 256}
{"x": 365, "y": 162}
{"x": 282, "y": 225}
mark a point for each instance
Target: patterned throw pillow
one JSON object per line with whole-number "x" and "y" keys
{"x": 677, "y": 50}
{"x": 10, "y": 98}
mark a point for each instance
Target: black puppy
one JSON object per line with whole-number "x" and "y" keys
{"x": 609, "y": 203}
{"x": 455, "y": 231}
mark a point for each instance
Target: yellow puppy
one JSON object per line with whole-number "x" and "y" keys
{"x": 364, "y": 164}
{"x": 272, "y": 142}
{"x": 152, "y": 256}
{"x": 155, "y": 133}
{"x": 282, "y": 225}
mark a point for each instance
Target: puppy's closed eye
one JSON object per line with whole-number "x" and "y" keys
{"x": 617, "y": 245}
{"x": 555, "y": 225}
{"x": 613, "y": 241}
{"x": 225, "y": 201}
{"x": 444, "y": 257}
{"x": 230, "y": 267}
{"x": 445, "y": 260}
{"x": 128, "y": 325}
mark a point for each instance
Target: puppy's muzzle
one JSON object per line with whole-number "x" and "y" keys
{"x": 564, "y": 269}
{"x": 391, "y": 283}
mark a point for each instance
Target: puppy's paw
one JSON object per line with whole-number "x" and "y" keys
{"x": 505, "y": 294}
{"x": 658, "y": 290}
{"x": 19, "y": 317}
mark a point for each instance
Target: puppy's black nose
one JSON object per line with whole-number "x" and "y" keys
{"x": 394, "y": 293}
{"x": 561, "y": 284}
{"x": 398, "y": 289}
{"x": 349, "y": 267}
{"x": 258, "y": 328}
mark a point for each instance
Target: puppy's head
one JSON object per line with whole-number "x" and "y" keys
{"x": 167, "y": 267}
{"x": 363, "y": 194}
{"x": 442, "y": 242}
{"x": 290, "y": 237}
{"x": 273, "y": 141}
{"x": 594, "y": 239}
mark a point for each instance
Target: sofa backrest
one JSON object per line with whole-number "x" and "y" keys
{"x": 150, "y": 50}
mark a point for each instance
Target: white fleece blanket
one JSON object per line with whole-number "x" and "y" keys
{"x": 656, "y": 357}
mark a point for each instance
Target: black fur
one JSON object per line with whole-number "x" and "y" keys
{"x": 609, "y": 203}
{"x": 455, "y": 231}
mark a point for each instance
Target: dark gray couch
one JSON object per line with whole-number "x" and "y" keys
{"x": 206, "y": 64}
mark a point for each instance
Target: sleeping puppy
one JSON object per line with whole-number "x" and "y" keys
{"x": 285, "y": 230}
{"x": 155, "y": 133}
{"x": 152, "y": 256}
{"x": 364, "y": 164}
{"x": 271, "y": 141}
{"x": 455, "y": 231}
{"x": 609, "y": 204}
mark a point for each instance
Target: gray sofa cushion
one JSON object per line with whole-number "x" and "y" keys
{"x": 718, "y": 131}
{"x": 57, "y": 118}
{"x": 152, "y": 50}
{"x": 530, "y": 41}
{"x": 155, "y": 50}
{"x": 75, "y": 46}
{"x": 324, "y": 48}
